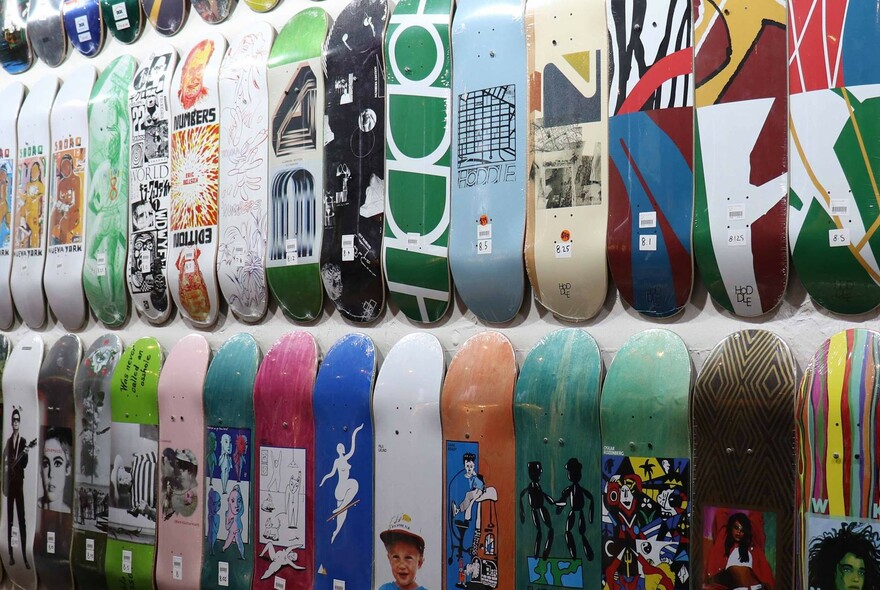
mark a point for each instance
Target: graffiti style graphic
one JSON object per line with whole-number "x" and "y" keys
{"x": 742, "y": 548}
{"x": 179, "y": 486}
{"x": 282, "y": 504}
{"x": 133, "y": 504}
{"x": 30, "y": 202}
{"x": 65, "y": 207}
{"x": 227, "y": 481}
{"x": 7, "y": 202}
{"x": 645, "y": 522}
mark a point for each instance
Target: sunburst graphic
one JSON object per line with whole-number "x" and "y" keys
{"x": 195, "y": 169}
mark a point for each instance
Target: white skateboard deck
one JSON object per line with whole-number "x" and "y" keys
{"x": 406, "y": 418}
{"x": 65, "y": 255}
{"x": 21, "y": 482}
{"x": 149, "y": 103}
{"x": 195, "y": 186}
{"x": 244, "y": 169}
{"x": 29, "y": 219}
{"x": 11, "y": 99}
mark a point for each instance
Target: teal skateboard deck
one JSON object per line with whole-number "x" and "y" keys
{"x": 228, "y": 554}
{"x": 744, "y": 464}
{"x": 93, "y": 459}
{"x": 558, "y": 453}
{"x": 124, "y": 19}
{"x": 646, "y": 495}
{"x": 296, "y": 164}
{"x": 134, "y": 445}
{"x": 16, "y": 55}
{"x": 489, "y": 168}
{"x": 46, "y": 31}
{"x": 418, "y": 152}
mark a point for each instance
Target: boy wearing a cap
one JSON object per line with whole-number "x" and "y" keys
{"x": 406, "y": 553}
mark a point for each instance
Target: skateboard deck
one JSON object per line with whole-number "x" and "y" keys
{"x": 406, "y": 419}
{"x": 29, "y": 218}
{"x": 556, "y": 415}
{"x": 166, "y": 16}
{"x": 124, "y": 19}
{"x": 15, "y": 46}
{"x": 214, "y": 11}
{"x": 5, "y": 347}
{"x": 134, "y": 445}
{"x": 344, "y": 464}
{"x": 148, "y": 187}
{"x": 285, "y": 432}
{"x": 650, "y": 196}
{"x": 645, "y": 473}
{"x": 476, "y": 409}
{"x": 418, "y": 138}
{"x": 93, "y": 460}
{"x": 488, "y": 171}
{"x": 743, "y": 433}
{"x": 567, "y": 156}
{"x": 741, "y": 159}
{"x": 261, "y": 5}
{"x": 244, "y": 101}
{"x": 12, "y": 96}
{"x": 837, "y": 495}
{"x": 45, "y": 26}
{"x": 54, "y": 533}
{"x": 228, "y": 555}
{"x": 296, "y": 164}
{"x": 833, "y": 210}
{"x": 181, "y": 448}
{"x": 106, "y": 231}
{"x": 195, "y": 182}
{"x": 65, "y": 256}
{"x": 84, "y": 24}
{"x": 354, "y": 191}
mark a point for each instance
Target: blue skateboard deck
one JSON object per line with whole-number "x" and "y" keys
{"x": 84, "y": 23}
{"x": 344, "y": 464}
{"x": 489, "y": 147}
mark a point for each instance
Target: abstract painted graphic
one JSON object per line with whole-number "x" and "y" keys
{"x": 294, "y": 124}
{"x": 293, "y": 236}
{"x": 741, "y": 548}
{"x": 66, "y": 205}
{"x": 194, "y": 177}
{"x": 133, "y": 505}
{"x": 179, "y": 483}
{"x": 228, "y": 485}
{"x": 487, "y": 127}
{"x": 30, "y": 201}
{"x": 282, "y": 509}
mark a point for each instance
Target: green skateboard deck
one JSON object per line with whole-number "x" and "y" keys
{"x": 646, "y": 464}
{"x": 558, "y": 453}
{"x": 134, "y": 445}
{"x": 418, "y": 141}
{"x": 228, "y": 555}
{"x": 106, "y": 239}
{"x": 93, "y": 459}
{"x": 124, "y": 18}
{"x": 296, "y": 164}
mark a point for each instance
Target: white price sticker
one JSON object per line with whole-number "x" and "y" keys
{"x": 50, "y": 542}
{"x": 90, "y": 550}
{"x": 101, "y": 264}
{"x": 177, "y": 567}
{"x": 15, "y": 537}
{"x": 413, "y": 241}
{"x": 736, "y": 212}
{"x": 82, "y": 23}
{"x": 838, "y": 238}
{"x": 484, "y": 246}
{"x": 123, "y": 24}
{"x": 280, "y": 584}
{"x": 223, "y": 573}
{"x": 126, "y": 561}
{"x": 338, "y": 584}
{"x": 189, "y": 266}
{"x": 647, "y": 219}
{"x": 738, "y": 237}
{"x": 238, "y": 255}
{"x": 563, "y": 250}
{"x": 348, "y": 248}
{"x": 839, "y": 207}
{"x": 648, "y": 243}
{"x": 291, "y": 250}
{"x": 85, "y": 37}
{"x": 119, "y": 11}
{"x": 484, "y": 232}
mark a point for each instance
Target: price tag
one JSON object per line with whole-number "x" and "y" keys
{"x": 50, "y": 542}
{"x": 484, "y": 232}
{"x": 563, "y": 250}
{"x": 647, "y": 219}
{"x": 126, "y": 561}
{"x": 123, "y": 24}
{"x": 189, "y": 266}
{"x": 177, "y": 567}
{"x": 839, "y": 207}
{"x": 101, "y": 263}
{"x": 280, "y": 584}
{"x": 484, "y": 246}
{"x": 838, "y": 238}
{"x": 90, "y": 550}
{"x": 15, "y": 537}
{"x": 223, "y": 573}
{"x": 738, "y": 237}
{"x": 292, "y": 251}
{"x": 648, "y": 243}
{"x": 338, "y": 584}
{"x": 84, "y": 37}
{"x": 238, "y": 254}
{"x": 736, "y": 212}
{"x": 413, "y": 241}
{"x": 348, "y": 248}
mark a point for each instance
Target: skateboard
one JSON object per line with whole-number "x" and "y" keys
{"x": 488, "y": 171}
{"x": 558, "y": 482}
{"x": 93, "y": 459}
{"x": 65, "y": 256}
{"x": 837, "y": 496}
{"x": 344, "y": 464}
{"x": 166, "y": 16}
{"x": 285, "y": 432}
{"x": 744, "y": 462}
{"x": 21, "y": 422}
{"x": 646, "y": 492}
{"x": 29, "y": 218}
{"x": 195, "y": 182}
{"x": 244, "y": 112}
{"x": 476, "y": 409}
{"x": 296, "y": 164}
{"x": 45, "y": 29}
{"x": 214, "y": 11}
{"x": 5, "y": 346}
{"x": 740, "y": 209}
{"x": 149, "y": 187}
{"x": 106, "y": 213}
{"x": 134, "y": 445}
{"x": 84, "y": 24}
{"x": 832, "y": 204}
{"x": 650, "y": 196}
{"x": 228, "y": 556}
{"x": 54, "y": 532}
{"x": 181, "y": 524}
{"x": 567, "y": 156}
{"x": 354, "y": 141}
{"x": 261, "y": 5}
{"x": 418, "y": 139}
{"x": 12, "y": 96}
{"x": 406, "y": 419}
{"x": 124, "y": 19}
{"x": 15, "y": 46}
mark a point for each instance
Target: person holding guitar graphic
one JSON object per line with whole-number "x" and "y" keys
{"x": 15, "y": 455}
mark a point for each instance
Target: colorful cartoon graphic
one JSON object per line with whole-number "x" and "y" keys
{"x": 192, "y": 88}
{"x": 843, "y": 554}
{"x": 282, "y": 508}
{"x": 30, "y": 202}
{"x": 645, "y": 522}
{"x": 7, "y": 173}
{"x": 228, "y": 456}
{"x": 65, "y": 207}
{"x": 133, "y": 502}
{"x": 179, "y": 489}
{"x": 742, "y": 548}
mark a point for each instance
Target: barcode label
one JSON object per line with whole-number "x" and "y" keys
{"x": 413, "y": 240}
{"x": 838, "y": 238}
{"x": 177, "y": 567}
{"x": 291, "y": 250}
{"x": 101, "y": 264}
{"x": 648, "y": 243}
{"x": 84, "y": 37}
{"x": 647, "y": 219}
{"x": 50, "y": 542}
{"x": 90, "y": 550}
{"x": 348, "y": 248}
{"x": 484, "y": 232}
{"x": 126, "y": 561}
{"x": 839, "y": 207}
{"x": 338, "y": 584}
{"x": 122, "y": 24}
{"x": 223, "y": 573}
{"x": 238, "y": 255}
{"x": 280, "y": 584}
{"x": 736, "y": 212}
{"x": 15, "y": 537}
